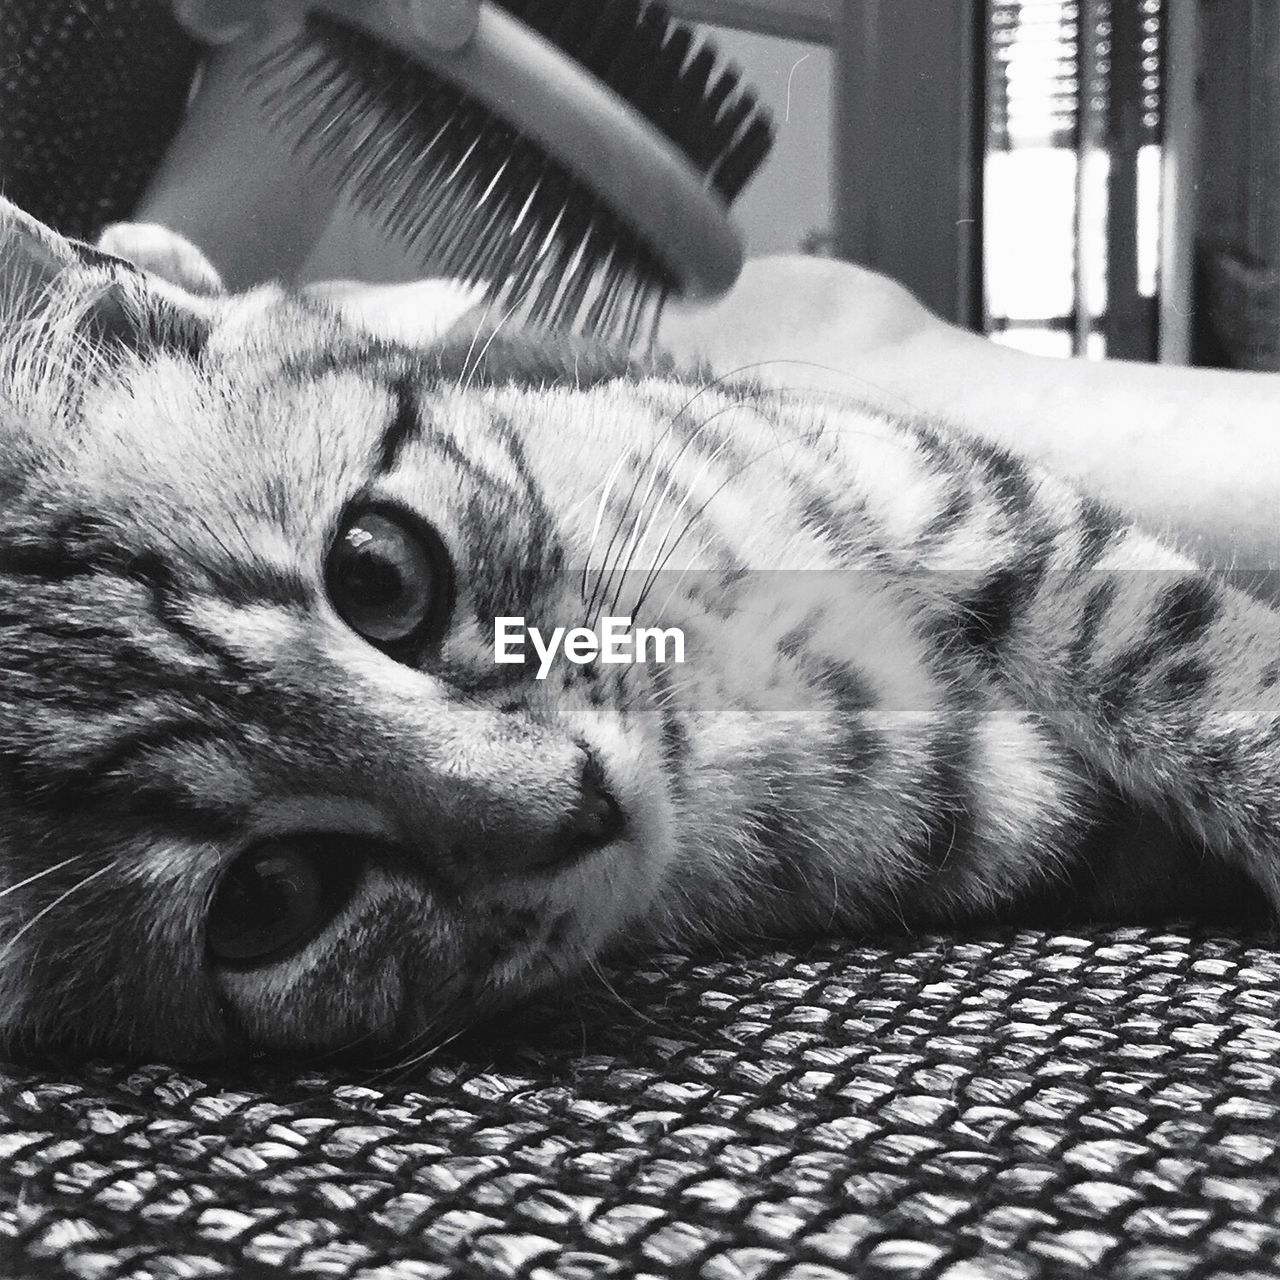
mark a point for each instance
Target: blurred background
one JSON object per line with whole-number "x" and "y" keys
{"x": 1090, "y": 177}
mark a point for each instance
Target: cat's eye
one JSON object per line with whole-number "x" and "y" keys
{"x": 388, "y": 576}
{"x": 275, "y": 897}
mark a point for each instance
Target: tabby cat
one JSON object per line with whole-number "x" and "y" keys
{"x": 266, "y": 786}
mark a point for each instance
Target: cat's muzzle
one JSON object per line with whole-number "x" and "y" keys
{"x": 284, "y": 889}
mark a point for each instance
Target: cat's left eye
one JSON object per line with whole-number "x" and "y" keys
{"x": 388, "y": 576}
{"x": 278, "y": 895}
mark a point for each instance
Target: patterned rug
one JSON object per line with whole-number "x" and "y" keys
{"x": 1005, "y": 1105}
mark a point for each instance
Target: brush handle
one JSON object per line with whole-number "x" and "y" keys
{"x": 228, "y": 182}
{"x": 231, "y": 185}
{"x": 587, "y": 128}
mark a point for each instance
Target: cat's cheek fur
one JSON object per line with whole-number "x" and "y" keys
{"x": 140, "y": 985}
{"x": 365, "y": 982}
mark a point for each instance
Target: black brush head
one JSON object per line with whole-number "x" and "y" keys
{"x": 469, "y": 197}
{"x": 664, "y": 70}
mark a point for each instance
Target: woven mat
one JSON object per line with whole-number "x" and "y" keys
{"x": 1004, "y": 1105}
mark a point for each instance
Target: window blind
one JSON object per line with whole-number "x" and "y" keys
{"x": 1081, "y": 79}
{"x": 1035, "y": 81}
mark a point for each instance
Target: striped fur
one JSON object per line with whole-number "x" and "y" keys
{"x": 925, "y": 682}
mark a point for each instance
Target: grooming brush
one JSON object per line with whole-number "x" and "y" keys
{"x": 578, "y": 157}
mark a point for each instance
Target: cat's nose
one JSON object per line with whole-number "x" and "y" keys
{"x": 597, "y": 820}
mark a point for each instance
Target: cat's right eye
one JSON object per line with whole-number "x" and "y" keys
{"x": 277, "y": 896}
{"x": 388, "y": 576}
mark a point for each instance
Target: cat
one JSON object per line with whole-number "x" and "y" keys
{"x": 267, "y": 787}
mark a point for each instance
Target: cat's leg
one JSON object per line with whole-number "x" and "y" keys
{"x": 1161, "y": 676}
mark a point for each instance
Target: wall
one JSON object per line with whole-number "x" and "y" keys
{"x": 790, "y": 198}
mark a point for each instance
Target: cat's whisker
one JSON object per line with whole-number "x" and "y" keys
{"x": 605, "y": 493}
{"x": 340, "y": 1050}
{"x": 650, "y": 464}
{"x": 406, "y": 1065}
{"x": 464, "y": 372}
{"x": 641, "y": 540}
{"x": 697, "y": 515}
{"x": 593, "y": 965}
{"x": 489, "y": 303}
{"x": 39, "y": 875}
{"x": 610, "y": 561}
{"x": 453, "y": 1013}
{"x": 808, "y": 390}
{"x": 607, "y": 556}
{"x": 689, "y": 488}
{"x": 899, "y": 910}
{"x": 626, "y": 557}
{"x": 467, "y": 376}
{"x": 7, "y": 950}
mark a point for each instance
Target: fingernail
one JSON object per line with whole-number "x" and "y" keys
{"x": 442, "y": 24}
{"x": 216, "y": 21}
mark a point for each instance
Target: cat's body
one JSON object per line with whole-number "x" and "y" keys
{"x": 922, "y": 681}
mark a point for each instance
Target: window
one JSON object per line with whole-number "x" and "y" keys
{"x": 1075, "y": 107}
{"x": 1026, "y": 167}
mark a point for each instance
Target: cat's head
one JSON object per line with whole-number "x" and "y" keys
{"x": 262, "y": 784}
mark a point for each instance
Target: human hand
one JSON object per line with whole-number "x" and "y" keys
{"x": 1190, "y": 452}
{"x": 233, "y": 187}
{"x": 217, "y": 21}
{"x": 231, "y": 181}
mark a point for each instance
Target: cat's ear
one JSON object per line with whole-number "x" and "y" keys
{"x": 110, "y": 299}
{"x": 31, "y": 258}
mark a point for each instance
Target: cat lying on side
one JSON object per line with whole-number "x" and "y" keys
{"x": 351, "y": 689}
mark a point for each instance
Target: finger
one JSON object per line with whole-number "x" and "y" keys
{"x": 217, "y": 21}
{"x": 443, "y": 24}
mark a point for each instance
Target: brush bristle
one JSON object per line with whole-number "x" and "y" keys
{"x": 668, "y": 74}
{"x": 469, "y": 197}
